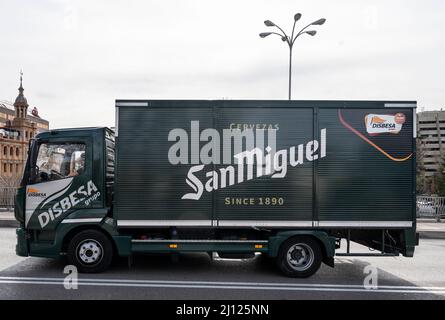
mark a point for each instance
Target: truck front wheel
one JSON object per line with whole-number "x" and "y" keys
{"x": 90, "y": 251}
{"x": 299, "y": 257}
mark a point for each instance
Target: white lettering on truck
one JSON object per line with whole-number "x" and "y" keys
{"x": 258, "y": 156}
{"x": 74, "y": 198}
{"x": 278, "y": 167}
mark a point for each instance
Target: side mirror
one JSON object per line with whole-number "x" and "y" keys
{"x": 43, "y": 176}
{"x": 33, "y": 173}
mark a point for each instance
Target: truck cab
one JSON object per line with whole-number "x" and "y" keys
{"x": 66, "y": 185}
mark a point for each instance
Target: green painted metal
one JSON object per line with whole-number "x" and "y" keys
{"x": 197, "y": 247}
{"x": 327, "y": 242}
{"x": 410, "y": 238}
{"x": 44, "y": 249}
{"x": 88, "y": 213}
{"x": 21, "y": 248}
{"x": 55, "y": 247}
{"x": 123, "y": 245}
{"x": 356, "y": 181}
{"x": 19, "y": 205}
{"x": 296, "y": 126}
{"x": 154, "y": 191}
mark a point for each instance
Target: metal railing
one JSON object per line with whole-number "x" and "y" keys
{"x": 430, "y": 207}
{"x": 7, "y": 198}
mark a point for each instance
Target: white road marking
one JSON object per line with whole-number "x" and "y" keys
{"x": 225, "y": 285}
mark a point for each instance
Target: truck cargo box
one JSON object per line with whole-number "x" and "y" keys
{"x": 340, "y": 164}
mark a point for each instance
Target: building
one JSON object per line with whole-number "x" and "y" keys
{"x": 16, "y": 128}
{"x": 430, "y": 141}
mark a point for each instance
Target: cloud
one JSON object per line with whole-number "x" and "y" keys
{"x": 79, "y": 56}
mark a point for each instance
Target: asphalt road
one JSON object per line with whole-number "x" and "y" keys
{"x": 196, "y": 276}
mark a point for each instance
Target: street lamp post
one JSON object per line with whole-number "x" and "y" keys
{"x": 291, "y": 40}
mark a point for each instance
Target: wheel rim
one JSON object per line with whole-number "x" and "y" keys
{"x": 300, "y": 256}
{"x": 89, "y": 252}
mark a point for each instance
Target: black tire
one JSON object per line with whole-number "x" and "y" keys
{"x": 90, "y": 251}
{"x": 305, "y": 252}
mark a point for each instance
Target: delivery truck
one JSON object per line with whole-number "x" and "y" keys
{"x": 291, "y": 180}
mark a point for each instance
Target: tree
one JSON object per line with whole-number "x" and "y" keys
{"x": 423, "y": 184}
{"x": 439, "y": 179}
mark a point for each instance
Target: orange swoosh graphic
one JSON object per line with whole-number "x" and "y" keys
{"x": 347, "y": 125}
{"x": 376, "y": 119}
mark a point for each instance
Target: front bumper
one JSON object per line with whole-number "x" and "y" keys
{"x": 21, "y": 248}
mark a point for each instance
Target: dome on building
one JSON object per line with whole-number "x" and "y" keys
{"x": 20, "y": 100}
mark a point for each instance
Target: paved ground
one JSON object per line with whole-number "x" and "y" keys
{"x": 196, "y": 276}
{"x": 429, "y": 228}
{"x": 7, "y": 248}
{"x": 7, "y": 219}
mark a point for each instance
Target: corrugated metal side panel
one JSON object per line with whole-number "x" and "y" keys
{"x": 358, "y": 182}
{"x": 148, "y": 187}
{"x": 295, "y": 127}
{"x": 355, "y": 181}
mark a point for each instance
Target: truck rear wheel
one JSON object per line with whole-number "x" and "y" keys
{"x": 299, "y": 257}
{"x": 90, "y": 251}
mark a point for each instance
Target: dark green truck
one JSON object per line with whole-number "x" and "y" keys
{"x": 287, "y": 179}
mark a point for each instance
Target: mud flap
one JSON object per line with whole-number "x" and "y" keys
{"x": 329, "y": 261}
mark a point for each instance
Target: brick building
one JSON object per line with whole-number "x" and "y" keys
{"x": 17, "y": 126}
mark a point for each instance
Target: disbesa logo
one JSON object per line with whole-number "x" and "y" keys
{"x": 33, "y": 192}
{"x": 377, "y": 122}
{"x": 85, "y": 193}
{"x": 384, "y": 123}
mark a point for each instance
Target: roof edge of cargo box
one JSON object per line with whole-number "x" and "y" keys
{"x": 70, "y": 130}
{"x": 281, "y": 103}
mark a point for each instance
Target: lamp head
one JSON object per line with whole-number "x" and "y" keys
{"x": 319, "y": 22}
{"x": 265, "y": 34}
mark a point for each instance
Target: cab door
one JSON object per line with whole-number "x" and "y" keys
{"x": 62, "y": 182}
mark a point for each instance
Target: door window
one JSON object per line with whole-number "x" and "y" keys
{"x": 60, "y": 161}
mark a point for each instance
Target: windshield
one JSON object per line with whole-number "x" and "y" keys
{"x": 59, "y": 161}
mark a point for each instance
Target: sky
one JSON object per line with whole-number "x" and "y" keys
{"x": 78, "y": 56}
